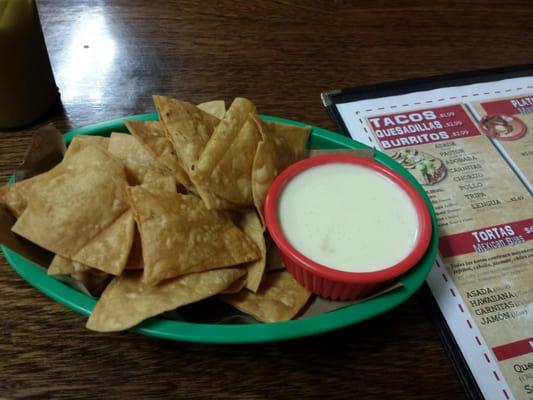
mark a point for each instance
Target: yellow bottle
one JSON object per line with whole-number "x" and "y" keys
{"x": 27, "y": 85}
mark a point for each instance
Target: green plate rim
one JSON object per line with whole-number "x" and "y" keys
{"x": 252, "y": 333}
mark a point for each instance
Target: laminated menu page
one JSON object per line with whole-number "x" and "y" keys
{"x": 467, "y": 138}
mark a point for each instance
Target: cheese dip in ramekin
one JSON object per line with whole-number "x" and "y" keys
{"x": 346, "y": 225}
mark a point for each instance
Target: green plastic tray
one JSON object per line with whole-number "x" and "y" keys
{"x": 245, "y": 333}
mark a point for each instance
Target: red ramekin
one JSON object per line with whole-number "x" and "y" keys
{"x": 328, "y": 282}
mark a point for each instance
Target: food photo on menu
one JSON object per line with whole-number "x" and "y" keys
{"x": 154, "y": 186}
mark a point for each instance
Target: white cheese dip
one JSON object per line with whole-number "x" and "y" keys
{"x": 348, "y": 217}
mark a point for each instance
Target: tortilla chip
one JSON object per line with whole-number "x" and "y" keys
{"x": 74, "y": 202}
{"x": 93, "y": 280}
{"x": 95, "y": 140}
{"x": 64, "y": 266}
{"x": 141, "y": 166}
{"x": 165, "y": 183}
{"x": 153, "y": 136}
{"x": 135, "y": 259}
{"x": 225, "y": 165}
{"x": 279, "y": 298}
{"x": 213, "y": 202}
{"x": 127, "y": 301}
{"x": 15, "y": 196}
{"x": 263, "y": 173}
{"x": 188, "y": 127}
{"x": 250, "y": 223}
{"x": 180, "y": 235}
{"x": 290, "y": 142}
{"x": 226, "y": 131}
{"x": 236, "y": 286}
{"x": 274, "y": 262}
{"x": 281, "y": 146}
{"x": 108, "y": 251}
{"x": 216, "y": 108}
{"x": 80, "y": 142}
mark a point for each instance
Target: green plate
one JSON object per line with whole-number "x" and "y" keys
{"x": 245, "y": 333}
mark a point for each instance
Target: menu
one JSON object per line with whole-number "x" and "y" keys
{"x": 471, "y": 147}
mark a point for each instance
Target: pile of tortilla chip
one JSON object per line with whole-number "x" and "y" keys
{"x": 167, "y": 215}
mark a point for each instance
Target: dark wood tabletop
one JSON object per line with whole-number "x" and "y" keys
{"x": 109, "y": 57}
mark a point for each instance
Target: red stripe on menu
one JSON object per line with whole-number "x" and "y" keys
{"x": 429, "y": 125}
{"x": 508, "y": 106}
{"x": 514, "y": 349}
{"x": 486, "y": 239}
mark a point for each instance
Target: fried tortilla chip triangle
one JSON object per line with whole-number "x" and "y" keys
{"x": 250, "y": 223}
{"x": 94, "y": 281}
{"x": 279, "y": 298}
{"x": 180, "y": 235}
{"x": 274, "y": 261}
{"x": 74, "y": 202}
{"x": 127, "y": 301}
{"x": 153, "y": 136}
{"x": 165, "y": 183}
{"x": 264, "y": 171}
{"x": 290, "y": 141}
{"x": 135, "y": 259}
{"x": 141, "y": 166}
{"x": 80, "y": 142}
{"x": 214, "y": 202}
{"x": 87, "y": 279}
{"x": 109, "y": 250}
{"x": 225, "y": 165}
{"x": 65, "y": 266}
{"x": 15, "y": 196}
{"x": 217, "y": 108}
{"x": 281, "y": 146}
{"x": 188, "y": 127}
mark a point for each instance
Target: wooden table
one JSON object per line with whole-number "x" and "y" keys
{"x": 110, "y": 57}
